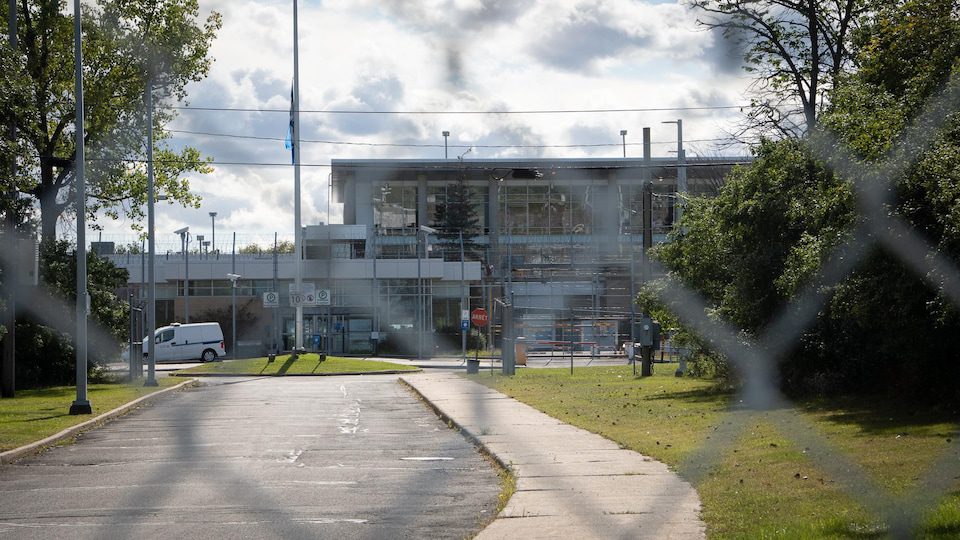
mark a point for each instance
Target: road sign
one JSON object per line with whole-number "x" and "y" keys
{"x": 271, "y": 299}
{"x": 296, "y": 300}
{"x": 323, "y": 297}
{"x": 309, "y": 299}
{"x": 479, "y": 317}
{"x": 464, "y": 325}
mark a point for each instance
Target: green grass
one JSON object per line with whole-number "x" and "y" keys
{"x": 283, "y": 365}
{"x": 35, "y": 414}
{"x": 764, "y": 485}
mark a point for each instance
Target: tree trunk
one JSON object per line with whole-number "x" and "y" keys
{"x": 50, "y": 211}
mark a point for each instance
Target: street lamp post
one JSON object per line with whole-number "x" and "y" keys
{"x": 151, "y": 277}
{"x": 200, "y": 246}
{"x": 80, "y": 405}
{"x": 623, "y": 135}
{"x": 185, "y": 246}
{"x": 445, "y": 135}
{"x": 421, "y": 311}
{"x": 681, "y": 171}
{"x": 213, "y": 232}
{"x": 233, "y": 286}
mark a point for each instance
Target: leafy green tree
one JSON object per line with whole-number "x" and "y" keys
{"x": 766, "y": 237}
{"x": 45, "y": 355}
{"x": 126, "y": 42}
{"x": 283, "y": 246}
{"x": 455, "y": 215}
{"x": 14, "y": 95}
{"x": 750, "y": 249}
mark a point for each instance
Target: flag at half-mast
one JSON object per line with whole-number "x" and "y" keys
{"x": 288, "y": 143}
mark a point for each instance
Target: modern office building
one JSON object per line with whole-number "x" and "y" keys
{"x": 560, "y": 241}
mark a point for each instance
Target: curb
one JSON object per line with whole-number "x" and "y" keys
{"x": 339, "y": 373}
{"x": 464, "y": 431}
{"x": 37, "y": 447}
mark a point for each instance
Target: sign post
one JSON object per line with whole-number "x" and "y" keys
{"x": 479, "y": 318}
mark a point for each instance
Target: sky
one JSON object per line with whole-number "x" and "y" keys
{"x": 424, "y": 56}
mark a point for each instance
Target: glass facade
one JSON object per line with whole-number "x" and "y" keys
{"x": 537, "y": 209}
{"x": 395, "y": 207}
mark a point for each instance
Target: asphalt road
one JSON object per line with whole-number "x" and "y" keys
{"x": 331, "y": 457}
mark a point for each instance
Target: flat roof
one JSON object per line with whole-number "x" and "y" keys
{"x": 506, "y": 163}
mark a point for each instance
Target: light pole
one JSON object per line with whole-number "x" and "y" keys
{"x": 200, "y": 246}
{"x": 464, "y": 305}
{"x": 80, "y": 405}
{"x": 445, "y": 135}
{"x": 184, "y": 246}
{"x": 233, "y": 286}
{"x": 623, "y": 135}
{"x": 213, "y": 231}
{"x": 152, "y": 277}
{"x": 681, "y": 171}
{"x": 421, "y": 315}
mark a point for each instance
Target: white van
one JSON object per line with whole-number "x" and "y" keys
{"x": 194, "y": 341}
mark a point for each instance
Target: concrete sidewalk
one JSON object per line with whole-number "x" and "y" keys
{"x": 570, "y": 483}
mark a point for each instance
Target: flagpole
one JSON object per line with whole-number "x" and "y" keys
{"x": 297, "y": 242}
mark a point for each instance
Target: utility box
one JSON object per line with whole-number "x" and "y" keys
{"x": 648, "y": 333}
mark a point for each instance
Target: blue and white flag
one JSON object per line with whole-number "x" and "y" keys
{"x": 288, "y": 143}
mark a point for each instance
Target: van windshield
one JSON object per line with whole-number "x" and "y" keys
{"x": 164, "y": 335}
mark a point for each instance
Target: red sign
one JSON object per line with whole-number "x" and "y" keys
{"x": 479, "y": 317}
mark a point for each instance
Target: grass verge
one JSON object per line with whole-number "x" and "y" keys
{"x": 306, "y": 364}
{"x": 36, "y": 414}
{"x": 764, "y": 484}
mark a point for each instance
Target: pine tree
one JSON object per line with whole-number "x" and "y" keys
{"x": 455, "y": 215}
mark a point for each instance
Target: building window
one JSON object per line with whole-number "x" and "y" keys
{"x": 394, "y": 207}
{"x": 546, "y": 209}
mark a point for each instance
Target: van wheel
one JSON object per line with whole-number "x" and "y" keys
{"x": 208, "y": 356}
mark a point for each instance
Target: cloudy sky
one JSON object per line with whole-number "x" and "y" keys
{"x": 438, "y": 55}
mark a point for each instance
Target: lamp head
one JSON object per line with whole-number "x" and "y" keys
{"x": 182, "y": 231}
{"x": 428, "y": 230}
{"x": 234, "y": 277}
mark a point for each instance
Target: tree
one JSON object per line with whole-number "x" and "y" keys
{"x": 796, "y": 49}
{"x": 455, "y": 215}
{"x": 14, "y": 95}
{"x": 767, "y": 236}
{"x": 125, "y": 43}
{"x": 45, "y": 355}
{"x": 283, "y": 246}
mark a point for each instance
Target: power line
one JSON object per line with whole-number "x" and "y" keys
{"x": 455, "y": 112}
{"x": 435, "y": 145}
{"x": 459, "y": 166}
